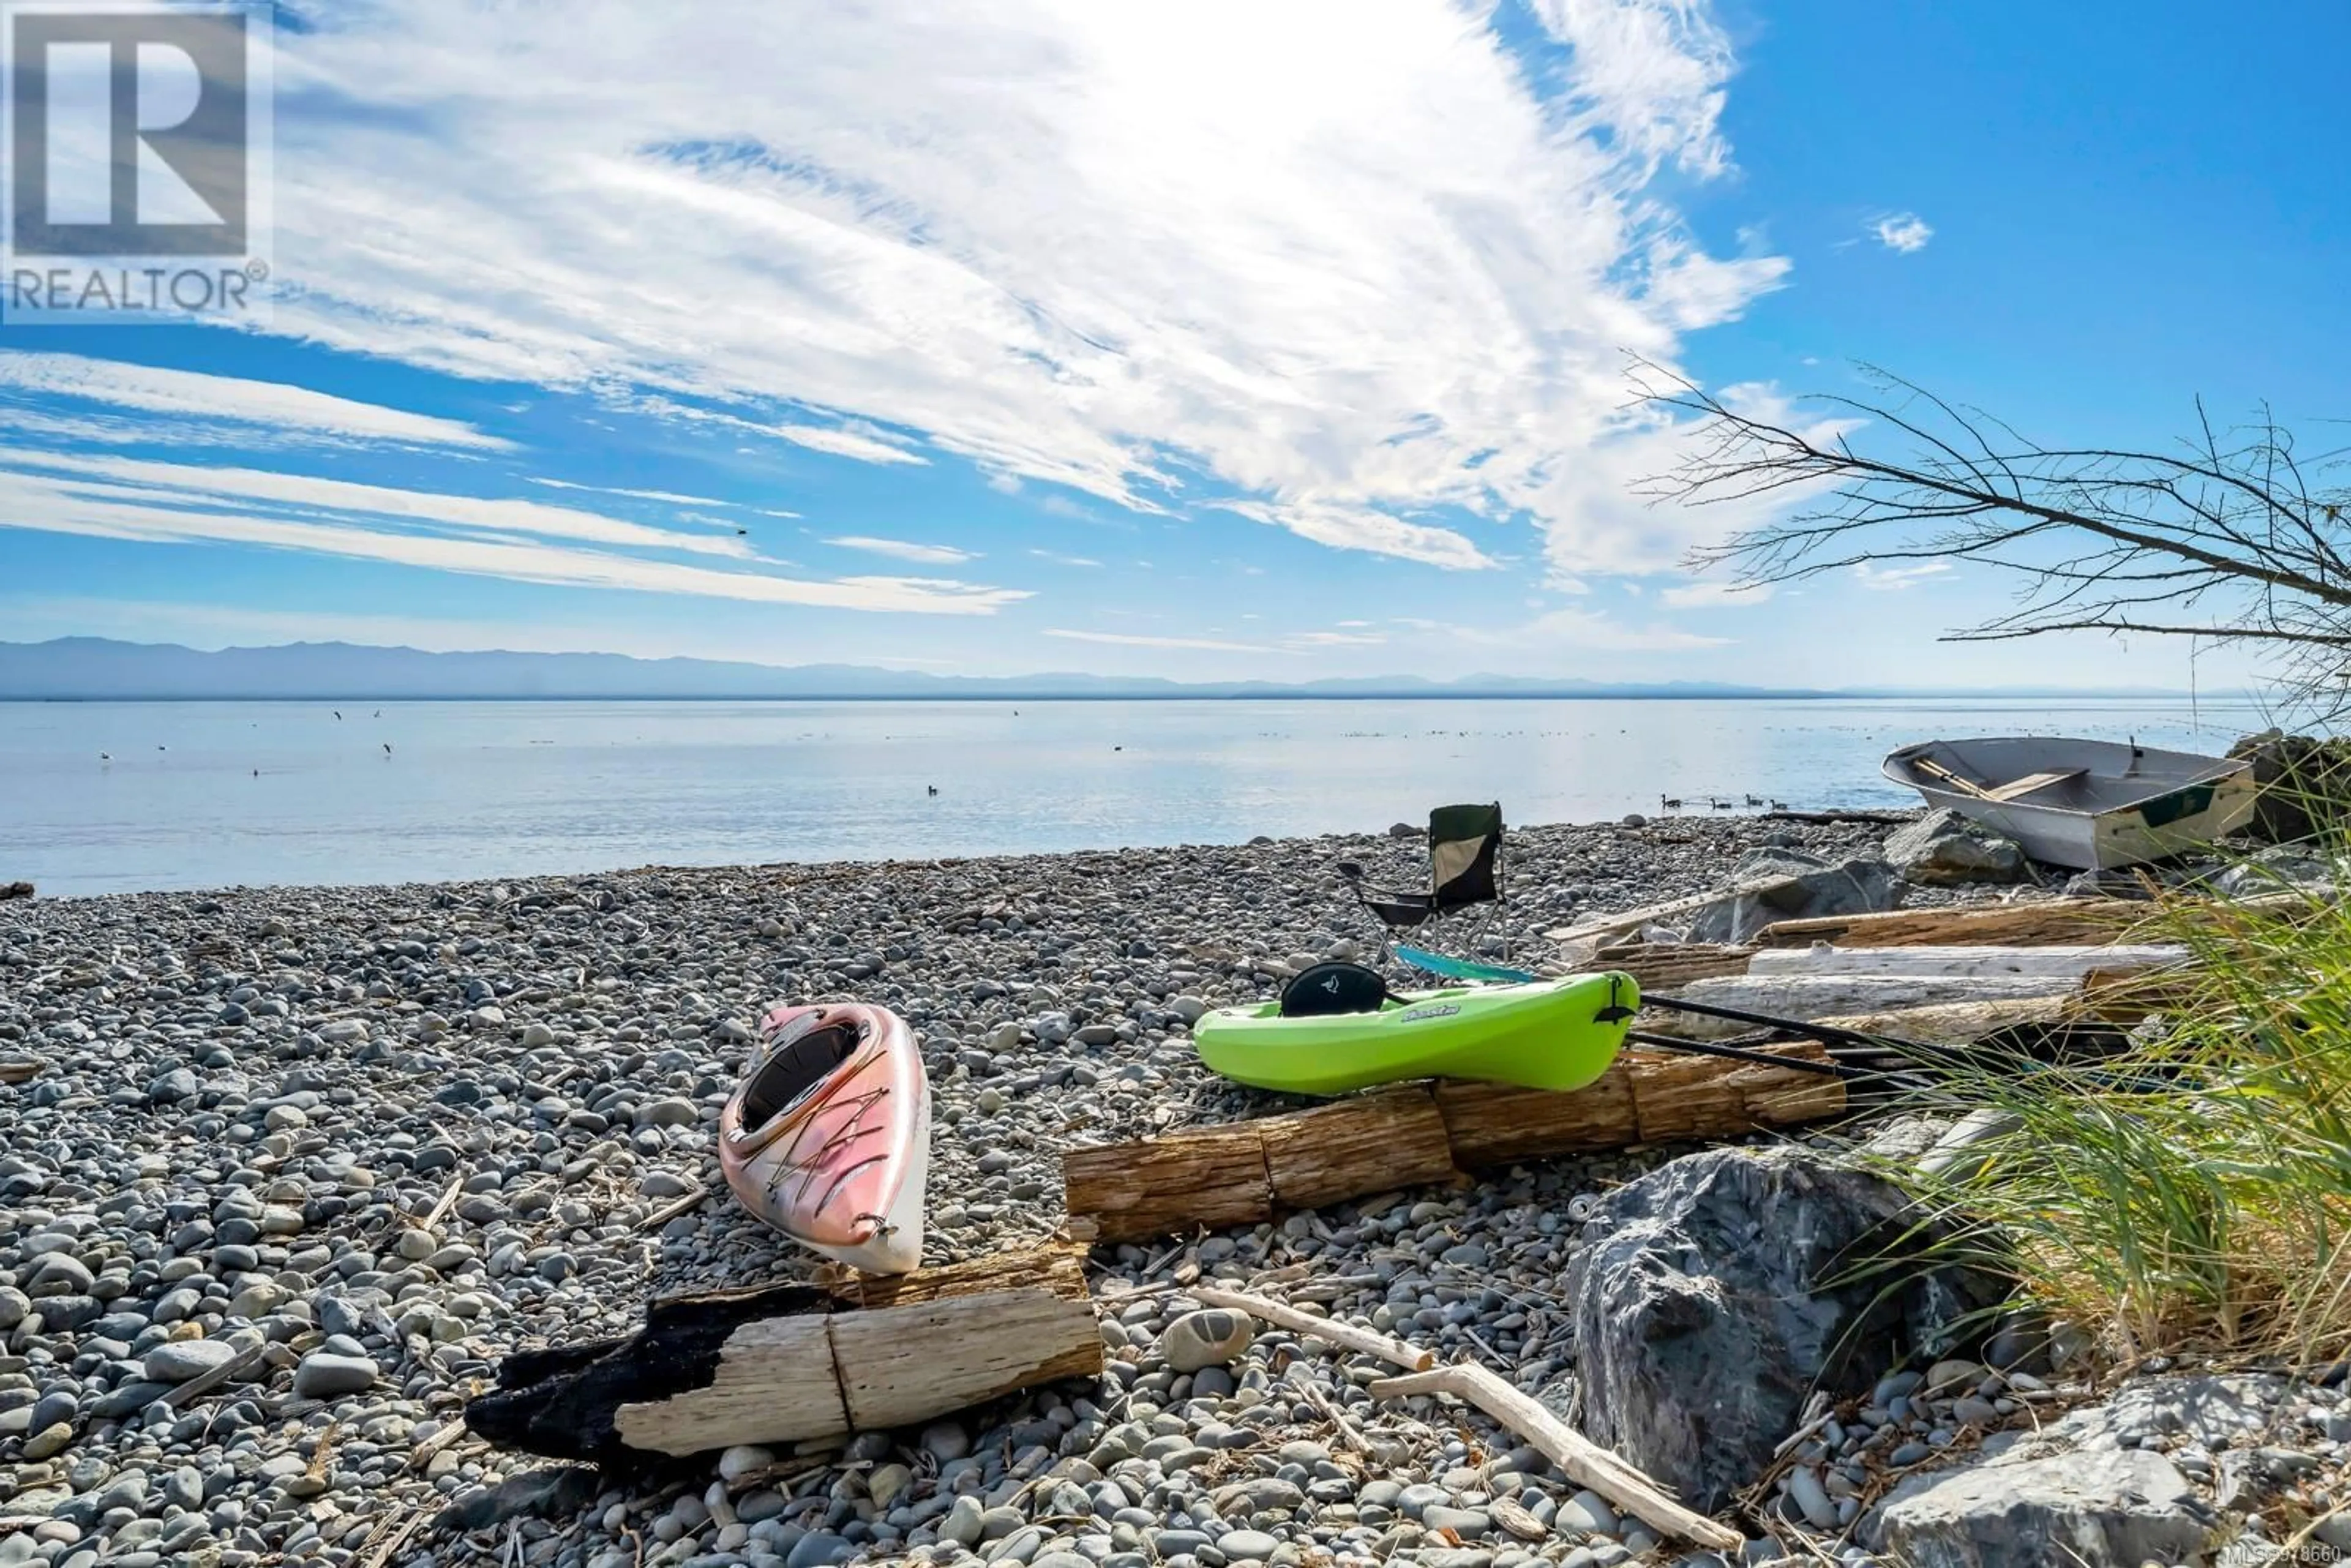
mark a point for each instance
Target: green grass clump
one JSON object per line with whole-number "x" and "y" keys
{"x": 2195, "y": 1192}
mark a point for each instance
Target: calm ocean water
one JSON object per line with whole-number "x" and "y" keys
{"x": 224, "y": 794}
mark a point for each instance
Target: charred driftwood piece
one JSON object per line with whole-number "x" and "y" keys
{"x": 790, "y": 1362}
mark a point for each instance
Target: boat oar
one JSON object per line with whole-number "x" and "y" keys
{"x": 1964, "y": 785}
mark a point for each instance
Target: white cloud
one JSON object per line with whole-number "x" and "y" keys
{"x": 669, "y": 496}
{"x": 848, "y": 444}
{"x": 1358, "y": 267}
{"x": 179, "y": 395}
{"x": 905, "y": 550}
{"x": 1715, "y": 595}
{"x": 1058, "y": 559}
{"x": 1894, "y": 579}
{"x": 1581, "y": 629}
{"x": 1903, "y": 231}
{"x": 1340, "y": 638}
{"x": 181, "y": 480}
{"x": 1140, "y": 640}
{"x": 1354, "y": 527}
{"x": 1650, "y": 72}
{"x": 74, "y": 503}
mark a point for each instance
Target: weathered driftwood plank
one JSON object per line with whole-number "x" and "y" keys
{"x": 1957, "y": 1025}
{"x": 797, "y": 1361}
{"x": 1214, "y": 1177}
{"x": 1819, "y": 997}
{"x": 2046, "y": 923}
{"x": 1661, "y": 967}
{"x": 2070, "y": 962}
{"x": 1391, "y": 1138}
{"x": 1420, "y": 1133}
{"x": 1496, "y": 1123}
{"x": 1676, "y": 1101}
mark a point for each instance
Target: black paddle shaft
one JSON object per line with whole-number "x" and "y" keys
{"x": 1740, "y": 1053}
{"x": 1827, "y": 1034}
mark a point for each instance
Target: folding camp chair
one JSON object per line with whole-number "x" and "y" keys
{"x": 1465, "y": 870}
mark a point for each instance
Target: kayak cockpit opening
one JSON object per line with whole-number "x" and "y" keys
{"x": 795, "y": 1069}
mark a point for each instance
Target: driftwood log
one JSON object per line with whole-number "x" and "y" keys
{"x": 2061, "y": 922}
{"x": 1818, "y": 998}
{"x": 1664, "y": 966}
{"x": 1421, "y": 1133}
{"x": 2069, "y": 961}
{"x": 791, "y": 1363}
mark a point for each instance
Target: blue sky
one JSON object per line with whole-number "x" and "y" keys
{"x": 1207, "y": 341}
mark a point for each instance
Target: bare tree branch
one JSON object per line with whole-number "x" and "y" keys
{"x": 2230, "y": 529}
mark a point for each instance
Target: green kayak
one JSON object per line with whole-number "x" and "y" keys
{"x": 1546, "y": 1034}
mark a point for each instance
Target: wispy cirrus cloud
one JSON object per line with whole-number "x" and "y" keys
{"x": 667, "y": 496}
{"x": 1895, "y": 579}
{"x": 1338, "y": 639}
{"x": 133, "y": 479}
{"x": 904, "y": 549}
{"x": 260, "y": 408}
{"x": 1058, "y": 559}
{"x": 1903, "y": 233}
{"x": 1558, "y": 630}
{"x": 1370, "y": 272}
{"x": 847, "y": 443}
{"x": 1144, "y": 639}
{"x": 187, "y": 504}
{"x": 1715, "y": 595}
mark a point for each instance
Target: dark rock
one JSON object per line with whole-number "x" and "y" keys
{"x": 66, "y": 1313}
{"x": 2281, "y": 868}
{"x": 2110, "y": 882}
{"x": 551, "y": 1493}
{"x": 2305, "y": 785}
{"x": 1715, "y": 1293}
{"x": 15, "y": 890}
{"x": 1944, "y": 849}
{"x": 2020, "y": 1343}
{"x": 1774, "y": 885}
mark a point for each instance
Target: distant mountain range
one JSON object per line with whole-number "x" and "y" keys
{"x": 98, "y": 669}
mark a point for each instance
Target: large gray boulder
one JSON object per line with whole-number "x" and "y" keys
{"x": 1943, "y": 849}
{"x": 2083, "y": 1489}
{"x": 1714, "y": 1294}
{"x": 2305, "y": 785}
{"x": 2101, "y": 1507}
{"x": 1774, "y": 885}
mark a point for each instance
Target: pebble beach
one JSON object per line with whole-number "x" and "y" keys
{"x": 286, "y": 1172}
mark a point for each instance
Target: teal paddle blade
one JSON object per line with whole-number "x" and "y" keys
{"x": 1458, "y": 969}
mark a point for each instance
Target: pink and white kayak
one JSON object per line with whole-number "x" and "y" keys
{"x": 828, "y": 1138}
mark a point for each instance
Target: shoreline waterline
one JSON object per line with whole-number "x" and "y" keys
{"x": 104, "y": 798}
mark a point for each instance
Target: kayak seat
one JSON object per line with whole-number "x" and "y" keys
{"x": 1327, "y": 989}
{"x": 793, "y": 1071}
